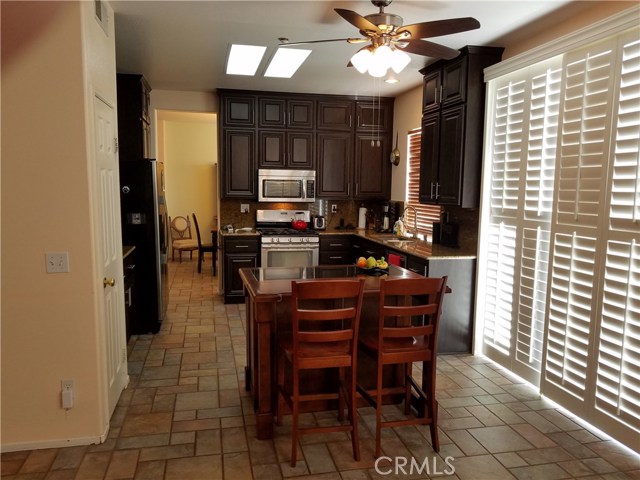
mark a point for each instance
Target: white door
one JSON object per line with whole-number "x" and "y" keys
{"x": 111, "y": 240}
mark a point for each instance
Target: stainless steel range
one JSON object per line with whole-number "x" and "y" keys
{"x": 284, "y": 246}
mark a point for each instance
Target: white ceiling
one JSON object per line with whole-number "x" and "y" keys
{"x": 182, "y": 45}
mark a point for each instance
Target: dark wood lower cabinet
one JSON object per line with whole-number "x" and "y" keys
{"x": 238, "y": 252}
{"x": 456, "y": 324}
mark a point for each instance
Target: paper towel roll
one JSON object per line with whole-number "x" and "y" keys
{"x": 362, "y": 217}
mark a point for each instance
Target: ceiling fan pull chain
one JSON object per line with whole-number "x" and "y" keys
{"x": 379, "y": 104}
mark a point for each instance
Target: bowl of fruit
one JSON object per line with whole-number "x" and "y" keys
{"x": 371, "y": 266}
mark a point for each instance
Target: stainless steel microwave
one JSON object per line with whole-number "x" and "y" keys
{"x": 286, "y": 185}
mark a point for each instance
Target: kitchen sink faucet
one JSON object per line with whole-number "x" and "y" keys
{"x": 415, "y": 219}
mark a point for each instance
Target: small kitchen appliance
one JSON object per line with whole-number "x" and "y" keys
{"x": 319, "y": 223}
{"x": 284, "y": 246}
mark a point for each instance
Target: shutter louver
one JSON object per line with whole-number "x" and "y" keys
{"x": 625, "y": 194}
{"x": 570, "y": 313}
{"x": 618, "y": 375}
{"x": 499, "y": 284}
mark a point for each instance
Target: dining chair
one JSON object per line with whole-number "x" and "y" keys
{"x": 181, "y": 239}
{"x": 325, "y": 317}
{"x": 407, "y": 331}
{"x": 204, "y": 247}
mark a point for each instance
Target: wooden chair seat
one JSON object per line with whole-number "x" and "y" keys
{"x": 181, "y": 239}
{"x": 324, "y": 335}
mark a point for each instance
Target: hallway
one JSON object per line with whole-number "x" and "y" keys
{"x": 186, "y": 415}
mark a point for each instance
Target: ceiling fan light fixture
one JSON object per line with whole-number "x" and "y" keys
{"x": 399, "y": 60}
{"x": 362, "y": 59}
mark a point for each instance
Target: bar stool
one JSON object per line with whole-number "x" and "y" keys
{"x": 325, "y": 316}
{"x": 409, "y": 315}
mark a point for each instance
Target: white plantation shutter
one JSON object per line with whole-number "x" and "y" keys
{"x": 618, "y": 374}
{"x": 499, "y": 284}
{"x": 559, "y": 263}
{"x": 523, "y": 153}
{"x": 571, "y": 312}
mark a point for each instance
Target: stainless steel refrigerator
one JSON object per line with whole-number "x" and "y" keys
{"x": 145, "y": 226}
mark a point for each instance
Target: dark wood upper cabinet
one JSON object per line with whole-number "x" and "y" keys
{"x": 280, "y": 112}
{"x": 372, "y": 172}
{"x": 334, "y": 158}
{"x": 239, "y": 168}
{"x": 452, "y": 127}
{"x": 134, "y": 126}
{"x": 374, "y": 116}
{"x": 239, "y": 111}
{"x": 290, "y": 149}
{"x": 335, "y": 115}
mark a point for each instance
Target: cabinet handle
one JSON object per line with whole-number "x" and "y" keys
{"x": 349, "y": 120}
{"x": 431, "y": 196}
{"x": 441, "y": 89}
{"x": 437, "y": 189}
{"x": 336, "y": 258}
{"x": 335, "y": 245}
{"x": 242, "y": 246}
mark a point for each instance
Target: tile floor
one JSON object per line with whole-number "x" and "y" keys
{"x": 186, "y": 415}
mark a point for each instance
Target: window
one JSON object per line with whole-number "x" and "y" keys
{"x": 427, "y": 214}
{"x": 559, "y": 300}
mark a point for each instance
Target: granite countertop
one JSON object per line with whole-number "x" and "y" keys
{"x": 425, "y": 250}
{"x": 421, "y": 249}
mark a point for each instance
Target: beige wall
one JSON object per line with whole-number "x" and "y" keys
{"x": 190, "y": 157}
{"x": 407, "y": 115}
{"x": 54, "y": 57}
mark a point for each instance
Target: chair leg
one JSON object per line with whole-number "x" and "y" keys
{"x": 280, "y": 388}
{"x": 199, "y": 261}
{"x": 294, "y": 418}
{"x": 407, "y": 389}
{"x": 173, "y": 254}
{"x": 379, "y": 409}
{"x": 180, "y": 255}
{"x": 341, "y": 393}
{"x": 353, "y": 415}
{"x": 429, "y": 387}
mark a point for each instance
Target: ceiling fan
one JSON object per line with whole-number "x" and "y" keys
{"x": 384, "y": 29}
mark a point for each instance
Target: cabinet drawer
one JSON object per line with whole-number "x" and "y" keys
{"x": 241, "y": 245}
{"x": 335, "y": 243}
{"x": 335, "y": 258}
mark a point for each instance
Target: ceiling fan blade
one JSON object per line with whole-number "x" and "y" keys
{"x": 429, "y": 49}
{"x": 440, "y": 27}
{"x": 348, "y": 40}
{"x": 357, "y": 20}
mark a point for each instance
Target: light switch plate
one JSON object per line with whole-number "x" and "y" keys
{"x": 244, "y": 208}
{"x": 57, "y": 262}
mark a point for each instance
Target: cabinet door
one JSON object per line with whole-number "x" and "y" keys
{"x": 373, "y": 116}
{"x": 450, "y": 159}
{"x": 456, "y": 322}
{"x": 372, "y": 172}
{"x": 335, "y": 115}
{"x": 431, "y": 91}
{"x": 271, "y": 112}
{"x": 301, "y": 114}
{"x": 454, "y": 82}
{"x": 271, "y": 149}
{"x": 239, "y": 111}
{"x": 233, "y": 288}
{"x": 239, "y": 164}
{"x": 300, "y": 150}
{"x": 429, "y": 151}
{"x": 334, "y": 157}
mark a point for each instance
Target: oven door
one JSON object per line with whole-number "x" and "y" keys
{"x": 289, "y": 256}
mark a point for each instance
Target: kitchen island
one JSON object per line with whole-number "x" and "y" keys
{"x": 267, "y": 297}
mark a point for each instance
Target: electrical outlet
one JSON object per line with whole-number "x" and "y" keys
{"x": 66, "y": 395}
{"x": 57, "y": 262}
{"x": 244, "y": 208}
{"x": 334, "y": 208}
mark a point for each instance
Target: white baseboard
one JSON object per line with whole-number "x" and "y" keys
{"x": 57, "y": 443}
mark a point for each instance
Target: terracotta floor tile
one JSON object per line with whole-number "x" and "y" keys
{"x": 186, "y": 415}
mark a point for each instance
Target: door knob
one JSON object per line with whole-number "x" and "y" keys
{"x": 108, "y": 282}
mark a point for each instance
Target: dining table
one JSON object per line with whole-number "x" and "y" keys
{"x": 268, "y": 312}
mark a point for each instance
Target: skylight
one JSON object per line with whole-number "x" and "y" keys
{"x": 244, "y": 59}
{"x": 286, "y": 62}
